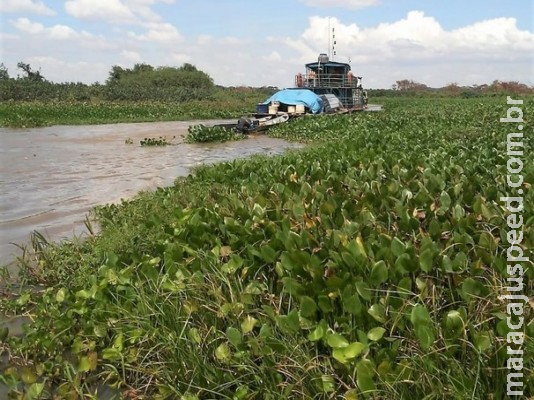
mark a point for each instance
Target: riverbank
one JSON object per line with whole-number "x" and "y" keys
{"x": 370, "y": 262}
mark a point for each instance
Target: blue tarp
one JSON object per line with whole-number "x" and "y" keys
{"x": 292, "y": 97}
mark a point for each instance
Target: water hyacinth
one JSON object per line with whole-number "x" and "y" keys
{"x": 367, "y": 265}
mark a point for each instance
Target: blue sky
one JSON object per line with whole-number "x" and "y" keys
{"x": 240, "y": 42}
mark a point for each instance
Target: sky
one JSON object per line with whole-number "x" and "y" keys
{"x": 265, "y": 43}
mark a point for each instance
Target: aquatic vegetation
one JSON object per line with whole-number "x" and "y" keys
{"x": 203, "y": 134}
{"x": 223, "y": 104}
{"x": 367, "y": 265}
{"x": 160, "y": 141}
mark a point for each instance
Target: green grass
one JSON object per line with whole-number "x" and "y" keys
{"x": 367, "y": 265}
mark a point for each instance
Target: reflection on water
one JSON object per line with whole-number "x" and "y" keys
{"x": 50, "y": 177}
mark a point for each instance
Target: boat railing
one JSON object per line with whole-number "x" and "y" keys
{"x": 314, "y": 80}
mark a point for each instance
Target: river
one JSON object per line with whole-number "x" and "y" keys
{"x": 51, "y": 177}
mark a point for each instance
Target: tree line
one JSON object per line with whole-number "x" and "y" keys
{"x": 144, "y": 82}
{"x": 408, "y": 87}
{"x": 140, "y": 83}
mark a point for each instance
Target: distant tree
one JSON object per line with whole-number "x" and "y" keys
{"x": 30, "y": 74}
{"x": 406, "y": 84}
{"x": 452, "y": 88}
{"x": 139, "y": 68}
{"x": 4, "y": 75}
{"x": 144, "y": 75}
{"x": 188, "y": 67}
{"x": 116, "y": 74}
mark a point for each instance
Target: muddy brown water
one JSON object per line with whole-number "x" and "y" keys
{"x": 51, "y": 177}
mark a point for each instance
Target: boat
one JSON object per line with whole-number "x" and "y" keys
{"x": 326, "y": 87}
{"x": 330, "y": 78}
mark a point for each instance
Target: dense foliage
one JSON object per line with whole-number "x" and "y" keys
{"x": 205, "y": 134}
{"x": 368, "y": 265}
{"x": 142, "y": 93}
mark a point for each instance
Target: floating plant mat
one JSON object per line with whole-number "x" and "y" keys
{"x": 368, "y": 265}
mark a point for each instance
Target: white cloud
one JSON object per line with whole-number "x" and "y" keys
{"x": 25, "y": 25}
{"x": 418, "y": 47}
{"x": 56, "y": 32}
{"x": 107, "y": 10}
{"x": 62, "y": 32}
{"x": 350, "y": 4}
{"x": 158, "y": 32}
{"x": 115, "y": 11}
{"x": 25, "y": 6}
{"x": 180, "y": 59}
{"x": 273, "y": 57}
{"x": 204, "y": 39}
{"x": 58, "y": 70}
{"x": 131, "y": 56}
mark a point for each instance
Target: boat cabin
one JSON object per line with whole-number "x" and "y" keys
{"x": 330, "y": 77}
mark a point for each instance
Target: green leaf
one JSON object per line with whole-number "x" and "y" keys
{"x": 84, "y": 365}
{"x": 426, "y": 260}
{"x": 352, "y": 304}
{"x": 363, "y": 290}
{"x": 397, "y": 247}
{"x": 328, "y": 384}
{"x": 379, "y": 273}
{"x": 265, "y": 331}
{"x": 308, "y": 308}
{"x": 34, "y": 391}
{"x": 268, "y": 254}
{"x": 248, "y": 324}
{"x": 351, "y": 394}
{"x": 194, "y": 335}
{"x": 233, "y": 264}
{"x": 28, "y": 375}
{"x": 446, "y": 264}
{"x": 425, "y": 335}
{"x": 60, "y": 295}
{"x": 336, "y": 341}
{"x": 454, "y": 324}
{"x": 111, "y": 354}
{"x": 222, "y": 352}
{"x": 317, "y": 333}
{"x": 378, "y": 312}
{"x": 445, "y": 200}
{"x": 345, "y": 354}
{"x": 325, "y": 304}
{"x": 420, "y": 315}
{"x": 471, "y": 288}
{"x": 290, "y": 322}
{"x": 458, "y": 212}
{"x": 376, "y": 334}
{"x": 241, "y": 392}
{"x": 292, "y": 286}
{"x": 365, "y": 372}
{"x": 234, "y": 336}
{"x": 482, "y": 341}
{"x": 405, "y": 287}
